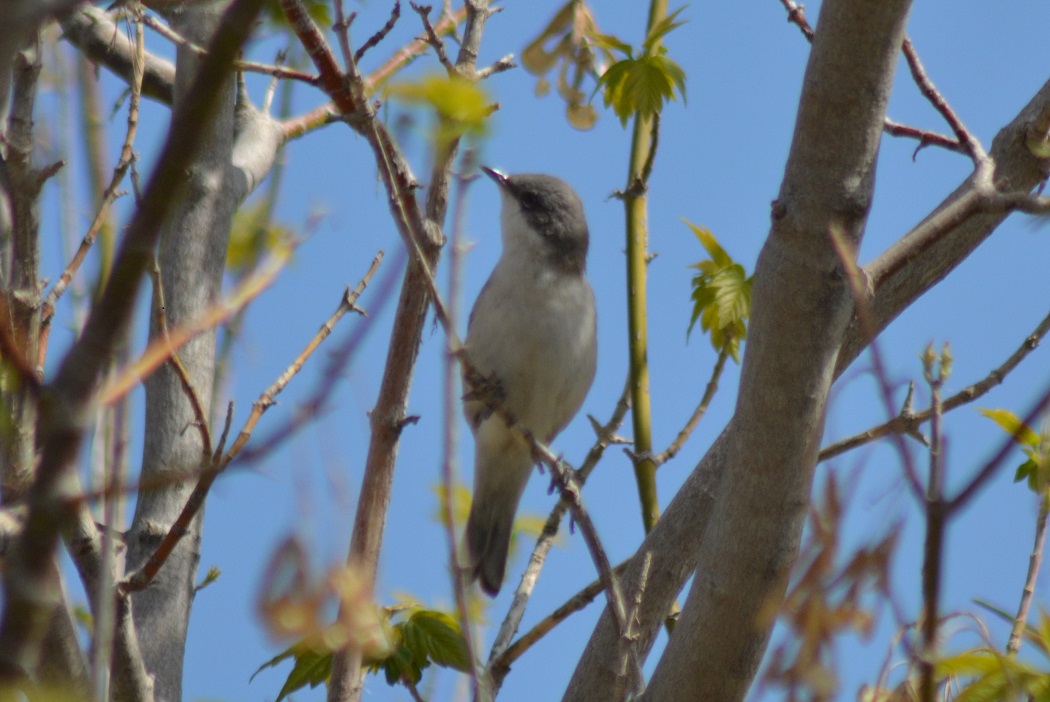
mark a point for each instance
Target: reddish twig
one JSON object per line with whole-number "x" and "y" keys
{"x": 930, "y": 92}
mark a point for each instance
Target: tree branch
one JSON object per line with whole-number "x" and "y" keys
{"x": 26, "y": 579}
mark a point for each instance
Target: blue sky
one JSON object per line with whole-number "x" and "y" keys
{"x": 720, "y": 162}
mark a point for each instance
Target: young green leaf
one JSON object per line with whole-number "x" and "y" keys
{"x": 462, "y": 107}
{"x": 1012, "y": 424}
{"x": 721, "y": 296}
{"x": 1035, "y": 445}
{"x": 313, "y": 665}
{"x": 662, "y": 29}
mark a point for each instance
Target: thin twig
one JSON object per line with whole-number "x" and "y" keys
{"x": 327, "y": 114}
{"x": 926, "y": 87}
{"x": 908, "y": 421}
{"x": 500, "y": 665}
{"x": 374, "y": 40}
{"x": 109, "y": 195}
{"x": 1035, "y": 562}
{"x": 144, "y": 575}
{"x": 434, "y": 40}
{"x": 334, "y": 369}
{"x": 705, "y": 401}
{"x": 604, "y": 437}
{"x": 448, "y": 464}
{"x": 926, "y": 138}
{"x": 992, "y": 465}
{"x": 936, "y": 518}
{"x": 275, "y": 70}
{"x": 161, "y": 349}
{"x": 498, "y": 66}
{"x": 857, "y": 283}
{"x": 199, "y": 416}
{"x": 797, "y": 16}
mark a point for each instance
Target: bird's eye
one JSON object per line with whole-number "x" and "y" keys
{"x": 528, "y": 201}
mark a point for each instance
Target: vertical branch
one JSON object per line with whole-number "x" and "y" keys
{"x": 22, "y": 183}
{"x": 451, "y": 413}
{"x": 423, "y": 237}
{"x": 114, "y": 468}
{"x": 937, "y": 513}
{"x": 635, "y": 202}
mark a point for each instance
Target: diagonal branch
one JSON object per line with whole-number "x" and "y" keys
{"x": 908, "y": 421}
{"x": 145, "y": 574}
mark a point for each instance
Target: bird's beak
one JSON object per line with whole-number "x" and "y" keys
{"x": 500, "y": 178}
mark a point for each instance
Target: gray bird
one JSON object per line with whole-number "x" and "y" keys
{"x": 533, "y": 328}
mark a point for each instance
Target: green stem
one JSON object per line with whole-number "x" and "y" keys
{"x": 636, "y": 212}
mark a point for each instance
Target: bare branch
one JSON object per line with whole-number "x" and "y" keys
{"x": 989, "y": 468}
{"x": 797, "y": 17}
{"x": 499, "y": 666}
{"x": 432, "y": 38}
{"x": 145, "y": 575}
{"x": 199, "y": 416}
{"x": 908, "y": 421}
{"x": 274, "y": 70}
{"x": 94, "y": 32}
{"x": 605, "y": 436}
{"x": 26, "y": 576}
{"x": 926, "y": 87}
{"x": 925, "y": 138}
{"x": 163, "y": 348}
{"x": 709, "y": 393}
{"x": 1035, "y": 562}
{"x": 374, "y": 40}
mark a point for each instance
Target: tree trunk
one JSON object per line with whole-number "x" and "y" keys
{"x": 192, "y": 256}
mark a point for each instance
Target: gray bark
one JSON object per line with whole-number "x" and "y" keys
{"x": 896, "y": 279}
{"x": 801, "y": 304}
{"x": 192, "y": 256}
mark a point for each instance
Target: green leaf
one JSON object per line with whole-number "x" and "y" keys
{"x": 721, "y": 296}
{"x": 425, "y": 637}
{"x": 1028, "y": 470}
{"x": 608, "y": 41}
{"x": 641, "y": 85}
{"x": 613, "y": 80}
{"x": 1012, "y": 425}
{"x": 462, "y": 107}
{"x": 438, "y": 637}
{"x": 312, "y": 667}
{"x": 661, "y": 29}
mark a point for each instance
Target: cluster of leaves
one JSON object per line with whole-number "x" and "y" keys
{"x": 993, "y": 675}
{"x": 423, "y": 638}
{"x": 721, "y": 296}
{"x": 827, "y": 599}
{"x": 641, "y": 84}
{"x": 566, "y": 43}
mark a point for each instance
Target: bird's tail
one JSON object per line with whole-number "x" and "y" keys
{"x": 488, "y": 541}
{"x": 497, "y": 490}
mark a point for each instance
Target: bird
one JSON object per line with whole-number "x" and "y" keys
{"x": 533, "y": 330}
